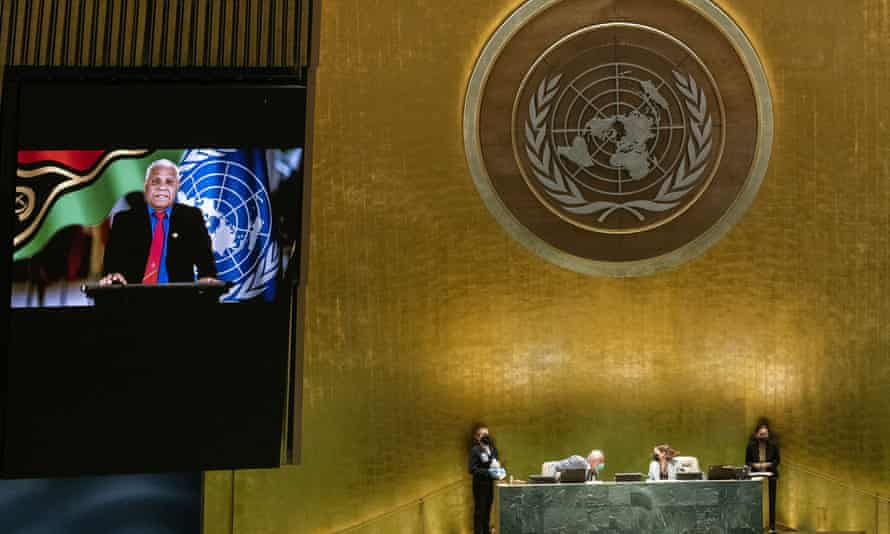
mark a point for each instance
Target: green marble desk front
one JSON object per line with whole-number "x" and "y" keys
{"x": 689, "y": 507}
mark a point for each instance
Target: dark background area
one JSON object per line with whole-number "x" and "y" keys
{"x": 144, "y": 388}
{"x": 166, "y": 503}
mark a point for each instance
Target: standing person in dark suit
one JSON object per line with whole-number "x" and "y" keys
{"x": 762, "y": 454}
{"x": 482, "y": 453}
{"x": 161, "y": 242}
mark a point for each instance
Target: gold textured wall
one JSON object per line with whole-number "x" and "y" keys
{"x": 422, "y": 315}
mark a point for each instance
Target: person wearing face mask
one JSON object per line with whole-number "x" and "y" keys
{"x": 762, "y": 454}
{"x": 482, "y": 454}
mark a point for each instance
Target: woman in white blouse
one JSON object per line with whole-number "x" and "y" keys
{"x": 663, "y": 466}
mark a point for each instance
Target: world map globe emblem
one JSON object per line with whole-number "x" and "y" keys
{"x": 619, "y": 128}
{"x": 238, "y": 216}
{"x": 618, "y": 137}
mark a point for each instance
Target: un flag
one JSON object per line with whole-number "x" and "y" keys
{"x": 231, "y": 188}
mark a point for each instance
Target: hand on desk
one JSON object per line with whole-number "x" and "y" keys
{"x": 118, "y": 278}
{"x": 112, "y": 278}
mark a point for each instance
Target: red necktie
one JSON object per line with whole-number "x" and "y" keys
{"x": 153, "y": 265}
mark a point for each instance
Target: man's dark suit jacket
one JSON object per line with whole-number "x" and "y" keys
{"x": 188, "y": 245}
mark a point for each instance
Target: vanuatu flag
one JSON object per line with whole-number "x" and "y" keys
{"x": 59, "y": 188}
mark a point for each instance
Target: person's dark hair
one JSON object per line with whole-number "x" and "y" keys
{"x": 763, "y": 422}
{"x": 476, "y": 426}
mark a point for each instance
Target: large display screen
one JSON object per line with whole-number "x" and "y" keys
{"x": 91, "y": 217}
{"x": 153, "y": 268}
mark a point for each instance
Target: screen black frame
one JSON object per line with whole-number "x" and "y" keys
{"x": 272, "y": 94}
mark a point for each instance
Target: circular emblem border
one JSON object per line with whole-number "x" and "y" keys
{"x": 472, "y": 146}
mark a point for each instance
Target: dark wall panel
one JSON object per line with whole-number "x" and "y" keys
{"x": 137, "y": 33}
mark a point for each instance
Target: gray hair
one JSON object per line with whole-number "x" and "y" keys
{"x": 161, "y": 163}
{"x": 594, "y": 454}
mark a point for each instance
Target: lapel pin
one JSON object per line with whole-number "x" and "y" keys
{"x": 174, "y": 235}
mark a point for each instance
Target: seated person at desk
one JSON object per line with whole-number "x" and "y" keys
{"x": 595, "y": 463}
{"x": 663, "y": 466}
{"x": 159, "y": 242}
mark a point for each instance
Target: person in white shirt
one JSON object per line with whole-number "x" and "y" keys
{"x": 663, "y": 466}
{"x": 594, "y": 463}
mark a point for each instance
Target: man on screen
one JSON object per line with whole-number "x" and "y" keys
{"x": 162, "y": 241}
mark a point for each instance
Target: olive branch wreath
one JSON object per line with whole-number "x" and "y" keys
{"x": 565, "y": 191}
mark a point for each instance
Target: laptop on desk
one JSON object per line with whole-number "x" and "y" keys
{"x": 573, "y": 475}
{"x": 726, "y": 472}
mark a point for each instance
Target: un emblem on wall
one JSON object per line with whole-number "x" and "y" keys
{"x": 618, "y": 137}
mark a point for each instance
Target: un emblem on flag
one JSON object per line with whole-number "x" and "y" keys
{"x": 238, "y": 215}
{"x": 618, "y": 138}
